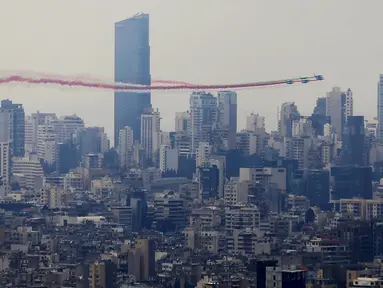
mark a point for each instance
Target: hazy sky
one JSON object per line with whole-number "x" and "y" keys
{"x": 199, "y": 41}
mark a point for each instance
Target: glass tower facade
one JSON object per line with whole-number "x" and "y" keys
{"x": 12, "y": 126}
{"x": 131, "y": 65}
{"x": 353, "y": 141}
{"x": 380, "y": 107}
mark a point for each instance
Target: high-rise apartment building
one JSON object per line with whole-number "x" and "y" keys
{"x": 12, "y": 126}
{"x": 46, "y": 141}
{"x": 203, "y": 118}
{"x": 32, "y": 123}
{"x": 125, "y": 147}
{"x": 339, "y": 105}
{"x": 150, "y": 133}
{"x": 227, "y": 115}
{"x": 29, "y": 166}
{"x": 204, "y": 152}
{"x": 65, "y": 127}
{"x": 302, "y": 127}
{"x": 91, "y": 140}
{"x": 255, "y": 123}
{"x": 168, "y": 158}
{"x": 246, "y": 142}
{"x": 45, "y": 131}
{"x": 5, "y": 159}
{"x": 353, "y": 141}
{"x": 131, "y": 65}
{"x": 289, "y": 113}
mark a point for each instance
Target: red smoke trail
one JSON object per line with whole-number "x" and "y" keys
{"x": 171, "y": 82}
{"x": 176, "y": 85}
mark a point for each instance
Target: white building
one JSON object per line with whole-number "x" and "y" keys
{"x": 65, "y": 127}
{"x": 203, "y": 118}
{"x": 255, "y": 123}
{"x": 32, "y": 123}
{"x": 203, "y": 153}
{"x": 30, "y": 167}
{"x": 339, "y": 105}
{"x": 227, "y": 114}
{"x": 44, "y": 130}
{"x": 168, "y": 158}
{"x": 302, "y": 127}
{"x": 46, "y": 141}
{"x": 150, "y": 132}
{"x": 125, "y": 146}
{"x": 327, "y": 130}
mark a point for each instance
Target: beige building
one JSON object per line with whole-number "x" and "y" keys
{"x": 363, "y": 209}
{"x": 102, "y": 274}
{"x": 248, "y": 243}
{"x": 241, "y": 216}
{"x": 141, "y": 260}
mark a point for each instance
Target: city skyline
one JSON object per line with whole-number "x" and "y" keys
{"x": 211, "y": 184}
{"x": 180, "y": 57}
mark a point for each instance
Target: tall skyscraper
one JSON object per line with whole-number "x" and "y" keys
{"x": 339, "y": 105}
{"x": 380, "y": 107}
{"x": 46, "y": 141}
{"x": 353, "y": 141}
{"x": 150, "y": 134}
{"x": 125, "y": 147}
{"x": 203, "y": 117}
{"x": 12, "y": 126}
{"x": 131, "y": 65}
{"x": 227, "y": 106}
